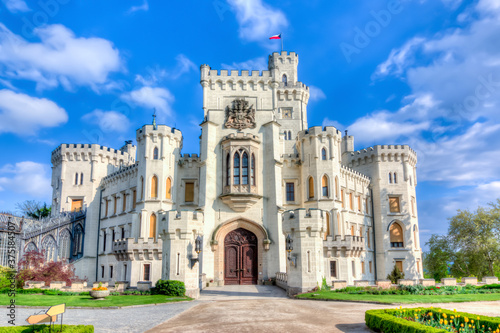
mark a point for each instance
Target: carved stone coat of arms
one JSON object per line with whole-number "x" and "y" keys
{"x": 240, "y": 115}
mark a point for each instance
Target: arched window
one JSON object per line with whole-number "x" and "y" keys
{"x": 50, "y": 247}
{"x": 252, "y": 170}
{"x": 324, "y": 185}
{"x": 152, "y": 226}
{"x": 236, "y": 169}
{"x": 395, "y": 178}
{"x": 411, "y": 184}
{"x": 339, "y": 225}
{"x": 154, "y": 187}
{"x": 155, "y": 153}
{"x": 76, "y": 178}
{"x": 390, "y": 178}
{"x": 337, "y": 187}
{"x": 311, "y": 187}
{"x": 78, "y": 240}
{"x": 415, "y": 231}
{"x": 327, "y": 225}
{"x": 64, "y": 244}
{"x": 396, "y": 235}
{"x": 323, "y": 154}
{"x": 228, "y": 170}
{"x": 244, "y": 169}
{"x": 81, "y": 178}
{"x": 284, "y": 80}
{"x": 168, "y": 189}
{"x": 289, "y": 135}
{"x": 142, "y": 188}
{"x": 286, "y": 135}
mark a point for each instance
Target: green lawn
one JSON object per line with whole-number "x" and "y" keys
{"x": 404, "y": 299}
{"x": 87, "y": 301}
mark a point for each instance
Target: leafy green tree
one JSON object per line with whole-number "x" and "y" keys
{"x": 438, "y": 259}
{"x": 395, "y": 275}
{"x": 33, "y": 209}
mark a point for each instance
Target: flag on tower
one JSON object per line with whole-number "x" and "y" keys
{"x": 275, "y": 37}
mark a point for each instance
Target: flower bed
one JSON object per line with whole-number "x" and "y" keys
{"x": 429, "y": 320}
{"x": 421, "y": 290}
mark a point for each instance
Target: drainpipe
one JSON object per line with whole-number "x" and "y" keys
{"x": 98, "y": 235}
{"x": 374, "y": 239}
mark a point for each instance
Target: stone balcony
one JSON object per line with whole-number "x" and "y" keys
{"x": 240, "y": 197}
{"x": 140, "y": 249}
{"x": 352, "y": 245}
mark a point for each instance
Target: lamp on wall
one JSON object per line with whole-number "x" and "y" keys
{"x": 198, "y": 244}
{"x": 289, "y": 249}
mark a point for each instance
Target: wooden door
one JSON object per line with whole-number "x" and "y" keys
{"x": 240, "y": 257}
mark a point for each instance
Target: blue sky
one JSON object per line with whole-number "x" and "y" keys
{"x": 417, "y": 72}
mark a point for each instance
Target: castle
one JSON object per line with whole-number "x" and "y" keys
{"x": 267, "y": 195}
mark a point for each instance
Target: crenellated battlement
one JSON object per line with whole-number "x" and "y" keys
{"x": 383, "y": 153}
{"x": 124, "y": 172}
{"x": 319, "y": 131}
{"x": 184, "y": 221}
{"x": 88, "y": 152}
{"x": 161, "y": 130}
{"x": 290, "y": 158}
{"x": 301, "y": 220}
{"x": 234, "y": 73}
{"x": 241, "y": 136}
{"x": 346, "y": 171}
{"x": 189, "y": 159}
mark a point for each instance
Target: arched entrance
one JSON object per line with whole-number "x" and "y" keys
{"x": 240, "y": 257}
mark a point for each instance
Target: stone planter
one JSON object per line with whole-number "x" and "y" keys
{"x": 99, "y": 294}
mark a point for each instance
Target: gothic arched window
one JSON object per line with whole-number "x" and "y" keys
{"x": 152, "y": 226}
{"x": 76, "y": 178}
{"x": 289, "y": 135}
{"x": 252, "y": 170}
{"x": 390, "y": 178}
{"x": 236, "y": 169}
{"x": 64, "y": 244}
{"x": 396, "y": 235}
{"x": 50, "y": 247}
{"x": 168, "y": 189}
{"x": 154, "y": 187}
{"x": 244, "y": 169}
{"x": 311, "y": 187}
{"x": 284, "y": 80}
{"x": 324, "y": 185}
{"x": 78, "y": 240}
{"x": 81, "y": 178}
{"x": 395, "y": 178}
{"x": 323, "y": 154}
{"x": 228, "y": 170}
{"x": 155, "y": 153}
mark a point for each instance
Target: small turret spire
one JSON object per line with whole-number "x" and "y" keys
{"x": 154, "y": 121}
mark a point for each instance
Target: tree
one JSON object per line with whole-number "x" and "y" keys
{"x": 32, "y": 267}
{"x": 471, "y": 247}
{"x": 395, "y": 275}
{"x": 33, "y": 209}
{"x": 438, "y": 260}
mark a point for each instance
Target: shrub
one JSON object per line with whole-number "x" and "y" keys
{"x": 46, "y": 329}
{"x": 395, "y": 275}
{"x": 6, "y": 274}
{"x": 324, "y": 285}
{"x": 169, "y": 288}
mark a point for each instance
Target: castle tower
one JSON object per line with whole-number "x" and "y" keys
{"x": 392, "y": 169}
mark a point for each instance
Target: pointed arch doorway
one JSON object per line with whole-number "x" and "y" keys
{"x": 240, "y": 257}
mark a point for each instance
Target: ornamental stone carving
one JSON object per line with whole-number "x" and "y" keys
{"x": 240, "y": 115}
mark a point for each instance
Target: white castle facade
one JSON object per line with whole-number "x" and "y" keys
{"x": 262, "y": 175}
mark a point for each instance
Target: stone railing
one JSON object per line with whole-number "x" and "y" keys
{"x": 349, "y": 243}
{"x": 75, "y": 285}
{"x": 282, "y": 280}
{"x": 142, "y": 249}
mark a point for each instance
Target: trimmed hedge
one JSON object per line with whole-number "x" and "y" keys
{"x": 46, "y": 329}
{"x": 169, "y": 288}
{"x": 385, "y": 320}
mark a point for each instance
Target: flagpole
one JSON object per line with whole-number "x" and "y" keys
{"x": 281, "y": 41}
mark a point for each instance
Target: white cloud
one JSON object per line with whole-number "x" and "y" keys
{"x": 15, "y": 6}
{"x": 60, "y": 58}
{"x": 257, "y": 20}
{"x": 316, "y": 93}
{"x": 27, "y": 178}
{"x": 399, "y": 59}
{"x": 108, "y": 121}
{"x": 160, "y": 99}
{"x": 144, "y": 7}
{"x": 255, "y": 64}
{"x": 328, "y": 122}
{"x": 25, "y": 115}
{"x": 157, "y": 74}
